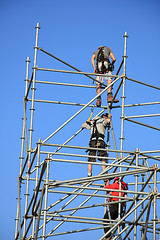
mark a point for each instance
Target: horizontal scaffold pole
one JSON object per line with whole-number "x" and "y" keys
{"x": 99, "y": 189}
{"x": 69, "y": 65}
{"x": 80, "y": 110}
{"x": 143, "y": 124}
{"x": 65, "y": 84}
{"x": 105, "y": 164}
{"x": 83, "y": 207}
{"x": 141, "y": 116}
{"x": 104, "y": 176}
{"x": 146, "y": 84}
{"x": 65, "y": 103}
{"x": 137, "y": 104}
{"x": 81, "y": 73}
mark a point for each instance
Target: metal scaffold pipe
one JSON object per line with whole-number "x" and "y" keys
{"x": 31, "y": 122}
{"x": 54, "y": 196}
{"x": 80, "y": 110}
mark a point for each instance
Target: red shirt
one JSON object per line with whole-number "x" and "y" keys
{"x": 116, "y": 186}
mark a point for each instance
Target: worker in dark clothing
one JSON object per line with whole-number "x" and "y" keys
{"x": 98, "y": 127}
{"x": 113, "y": 208}
{"x": 103, "y": 65}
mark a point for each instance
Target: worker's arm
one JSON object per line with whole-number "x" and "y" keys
{"x": 93, "y": 62}
{"x": 112, "y": 57}
{"x": 86, "y": 125}
{"x": 107, "y": 120}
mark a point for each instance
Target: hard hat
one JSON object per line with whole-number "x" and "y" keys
{"x": 105, "y": 115}
{"x": 117, "y": 178}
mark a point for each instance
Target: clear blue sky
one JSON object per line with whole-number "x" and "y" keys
{"x": 72, "y": 30}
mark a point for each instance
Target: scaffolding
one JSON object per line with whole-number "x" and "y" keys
{"x": 55, "y": 198}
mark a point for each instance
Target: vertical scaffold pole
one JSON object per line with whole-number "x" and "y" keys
{"x": 27, "y": 74}
{"x": 37, "y": 177}
{"x": 18, "y": 218}
{"x": 122, "y": 116}
{"x": 142, "y": 229}
{"x": 123, "y": 90}
{"x": 46, "y": 196}
{"x": 154, "y": 204}
{"x": 31, "y": 122}
{"x": 25, "y": 103}
{"x": 136, "y": 189}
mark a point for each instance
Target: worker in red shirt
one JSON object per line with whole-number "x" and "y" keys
{"x": 113, "y": 208}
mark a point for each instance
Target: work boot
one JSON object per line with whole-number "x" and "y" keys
{"x": 98, "y": 103}
{"x": 110, "y": 98}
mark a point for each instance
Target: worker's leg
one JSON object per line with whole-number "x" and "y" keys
{"x": 109, "y": 90}
{"x": 89, "y": 170}
{"x": 98, "y": 90}
{"x": 103, "y": 166}
{"x": 106, "y": 229}
{"x": 92, "y": 143}
{"x": 113, "y": 208}
{"x": 101, "y": 153}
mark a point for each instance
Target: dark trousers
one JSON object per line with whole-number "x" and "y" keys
{"x": 97, "y": 144}
{"x": 113, "y": 215}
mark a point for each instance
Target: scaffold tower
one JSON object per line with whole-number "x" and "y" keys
{"x": 56, "y": 198}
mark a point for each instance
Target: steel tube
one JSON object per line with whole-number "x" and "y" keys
{"x": 79, "y": 111}
{"x": 65, "y": 63}
{"x": 65, "y": 84}
{"x": 81, "y": 147}
{"x": 36, "y": 183}
{"x": 146, "y": 84}
{"x": 154, "y": 205}
{"x": 136, "y": 189}
{"x": 146, "y": 125}
{"x": 83, "y": 73}
{"x": 133, "y": 224}
{"x": 126, "y": 215}
{"x": 137, "y": 104}
{"x": 39, "y": 213}
{"x": 99, "y": 189}
{"x": 65, "y": 103}
{"x": 31, "y": 122}
{"x": 84, "y": 207}
{"x": 102, "y": 177}
{"x": 94, "y": 163}
{"x": 18, "y": 216}
{"x": 141, "y": 116}
{"x": 46, "y": 197}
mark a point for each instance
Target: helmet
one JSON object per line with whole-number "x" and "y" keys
{"x": 117, "y": 178}
{"x": 105, "y": 115}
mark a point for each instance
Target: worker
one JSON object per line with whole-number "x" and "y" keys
{"x": 98, "y": 127}
{"x": 103, "y": 65}
{"x": 113, "y": 208}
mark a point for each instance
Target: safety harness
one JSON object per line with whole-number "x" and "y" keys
{"x": 101, "y": 58}
{"x": 123, "y": 205}
{"x": 95, "y": 133}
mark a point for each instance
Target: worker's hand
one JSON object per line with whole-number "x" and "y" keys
{"x": 106, "y": 182}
